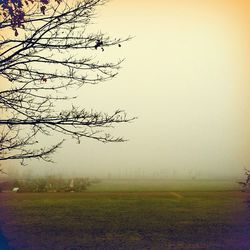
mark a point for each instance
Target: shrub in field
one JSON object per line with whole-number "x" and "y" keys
{"x": 245, "y": 184}
{"x": 51, "y": 184}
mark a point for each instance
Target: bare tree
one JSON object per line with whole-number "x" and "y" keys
{"x": 245, "y": 183}
{"x": 49, "y": 53}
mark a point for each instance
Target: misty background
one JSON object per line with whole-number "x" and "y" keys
{"x": 186, "y": 78}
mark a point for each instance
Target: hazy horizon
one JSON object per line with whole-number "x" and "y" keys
{"x": 186, "y": 78}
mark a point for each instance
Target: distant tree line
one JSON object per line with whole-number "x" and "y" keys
{"x": 47, "y": 184}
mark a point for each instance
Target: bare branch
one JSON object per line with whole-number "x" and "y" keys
{"x": 52, "y": 52}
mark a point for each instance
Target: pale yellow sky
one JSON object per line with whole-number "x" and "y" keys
{"x": 185, "y": 77}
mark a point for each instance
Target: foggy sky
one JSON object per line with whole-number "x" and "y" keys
{"x": 186, "y": 79}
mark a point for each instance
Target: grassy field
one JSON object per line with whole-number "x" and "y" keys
{"x": 148, "y": 185}
{"x": 123, "y": 216}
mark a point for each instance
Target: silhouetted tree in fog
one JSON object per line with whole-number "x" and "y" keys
{"x": 45, "y": 50}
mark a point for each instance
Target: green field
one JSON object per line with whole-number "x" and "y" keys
{"x": 116, "y": 214}
{"x": 159, "y": 185}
